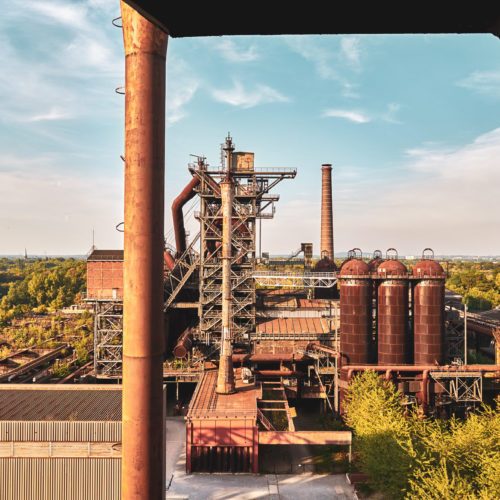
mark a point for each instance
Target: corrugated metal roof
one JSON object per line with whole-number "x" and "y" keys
{"x": 60, "y": 405}
{"x": 98, "y": 255}
{"x": 294, "y": 326}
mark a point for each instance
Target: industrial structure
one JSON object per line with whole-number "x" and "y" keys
{"x": 260, "y": 335}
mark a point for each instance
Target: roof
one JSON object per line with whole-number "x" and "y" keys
{"x": 272, "y": 18}
{"x": 294, "y": 325}
{"x": 207, "y": 404}
{"x": 494, "y": 315}
{"x": 60, "y": 403}
{"x": 99, "y": 255}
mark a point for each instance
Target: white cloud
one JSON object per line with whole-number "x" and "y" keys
{"x": 483, "y": 82}
{"x": 322, "y": 58}
{"x": 182, "y": 85}
{"x": 71, "y": 15}
{"x": 355, "y": 116}
{"x": 351, "y": 50}
{"x": 442, "y": 197}
{"x": 54, "y": 113}
{"x": 233, "y": 52}
{"x": 239, "y": 96}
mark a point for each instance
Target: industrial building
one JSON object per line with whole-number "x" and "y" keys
{"x": 259, "y": 336}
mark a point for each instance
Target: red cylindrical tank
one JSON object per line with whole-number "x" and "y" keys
{"x": 428, "y": 312}
{"x": 184, "y": 344}
{"x": 355, "y": 311}
{"x": 392, "y": 312}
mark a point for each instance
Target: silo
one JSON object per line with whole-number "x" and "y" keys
{"x": 355, "y": 311}
{"x": 392, "y": 312}
{"x": 428, "y": 310}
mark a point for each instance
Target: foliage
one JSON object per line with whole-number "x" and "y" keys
{"x": 415, "y": 458}
{"x": 478, "y": 283}
{"x": 39, "y": 286}
{"x": 382, "y": 435}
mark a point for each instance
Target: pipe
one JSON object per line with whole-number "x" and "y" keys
{"x": 143, "y": 442}
{"x": 425, "y": 391}
{"x": 225, "y": 376}
{"x": 326, "y": 247}
{"x": 421, "y": 368}
{"x": 278, "y": 373}
{"x": 184, "y": 344}
{"x": 268, "y": 358}
{"x": 169, "y": 260}
{"x": 186, "y": 194}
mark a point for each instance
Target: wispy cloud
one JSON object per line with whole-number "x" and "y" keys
{"x": 53, "y": 114}
{"x": 235, "y": 53}
{"x": 182, "y": 86}
{"x": 351, "y": 115}
{"x": 391, "y": 115}
{"x": 483, "y": 82}
{"x": 243, "y": 97}
{"x": 350, "y": 47}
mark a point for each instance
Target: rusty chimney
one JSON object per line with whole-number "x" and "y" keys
{"x": 326, "y": 245}
{"x": 225, "y": 376}
{"x": 143, "y": 443}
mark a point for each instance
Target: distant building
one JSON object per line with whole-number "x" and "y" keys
{"x": 105, "y": 275}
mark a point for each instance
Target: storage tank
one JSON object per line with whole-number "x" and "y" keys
{"x": 355, "y": 311}
{"x": 428, "y": 310}
{"x": 392, "y": 312}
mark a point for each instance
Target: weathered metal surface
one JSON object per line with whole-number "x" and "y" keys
{"x": 186, "y": 194}
{"x": 305, "y": 437}
{"x": 60, "y": 449}
{"x": 392, "y": 313}
{"x": 56, "y": 402}
{"x": 225, "y": 377}
{"x": 428, "y": 312}
{"x": 94, "y": 431}
{"x": 143, "y": 344}
{"x": 71, "y": 478}
{"x": 184, "y": 344}
{"x": 355, "y": 311}
{"x": 326, "y": 245}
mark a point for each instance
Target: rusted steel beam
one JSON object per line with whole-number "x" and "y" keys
{"x": 305, "y": 437}
{"x": 143, "y": 420}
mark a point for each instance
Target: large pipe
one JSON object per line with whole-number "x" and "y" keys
{"x": 326, "y": 246}
{"x": 186, "y": 194}
{"x": 268, "y": 358}
{"x": 143, "y": 441}
{"x": 225, "y": 376}
{"x": 184, "y": 344}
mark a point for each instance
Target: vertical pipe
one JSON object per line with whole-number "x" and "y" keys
{"x": 225, "y": 376}
{"x": 143, "y": 419}
{"x": 326, "y": 247}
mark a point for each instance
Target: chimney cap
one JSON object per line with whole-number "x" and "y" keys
{"x": 325, "y": 166}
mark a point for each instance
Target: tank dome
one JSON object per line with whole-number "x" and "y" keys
{"x": 354, "y": 267}
{"x": 427, "y": 267}
{"x": 325, "y": 265}
{"x": 391, "y": 267}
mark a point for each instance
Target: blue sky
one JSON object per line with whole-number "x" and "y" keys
{"x": 410, "y": 124}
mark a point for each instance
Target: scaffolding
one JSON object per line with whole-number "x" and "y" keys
{"x": 108, "y": 339}
{"x": 251, "y": 201}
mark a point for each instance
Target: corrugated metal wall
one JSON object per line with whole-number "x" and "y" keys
{"x": 61, "y": 431}
{"x": 60, "y": 479}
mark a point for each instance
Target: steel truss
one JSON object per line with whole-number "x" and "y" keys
{"x": 461, "y": 387}
{"x": 251, "y": 202}
{"x": 108, "y": 339}
{"x": 294, "y": 279}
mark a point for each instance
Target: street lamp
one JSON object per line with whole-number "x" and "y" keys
{"x": 465, "y": 334}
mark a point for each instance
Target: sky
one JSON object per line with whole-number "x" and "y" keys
{"x": 411, "y": 125}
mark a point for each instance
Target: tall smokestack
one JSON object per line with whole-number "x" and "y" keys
{"x": 326, "y": 245}
{"x": 143, "y": 444}
{"x": 225, "y": 376}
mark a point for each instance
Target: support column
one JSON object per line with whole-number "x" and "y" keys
{"x": 143, "y": 439}
{"x": 225, "y": 376}
{"x": 326, "y": 247}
